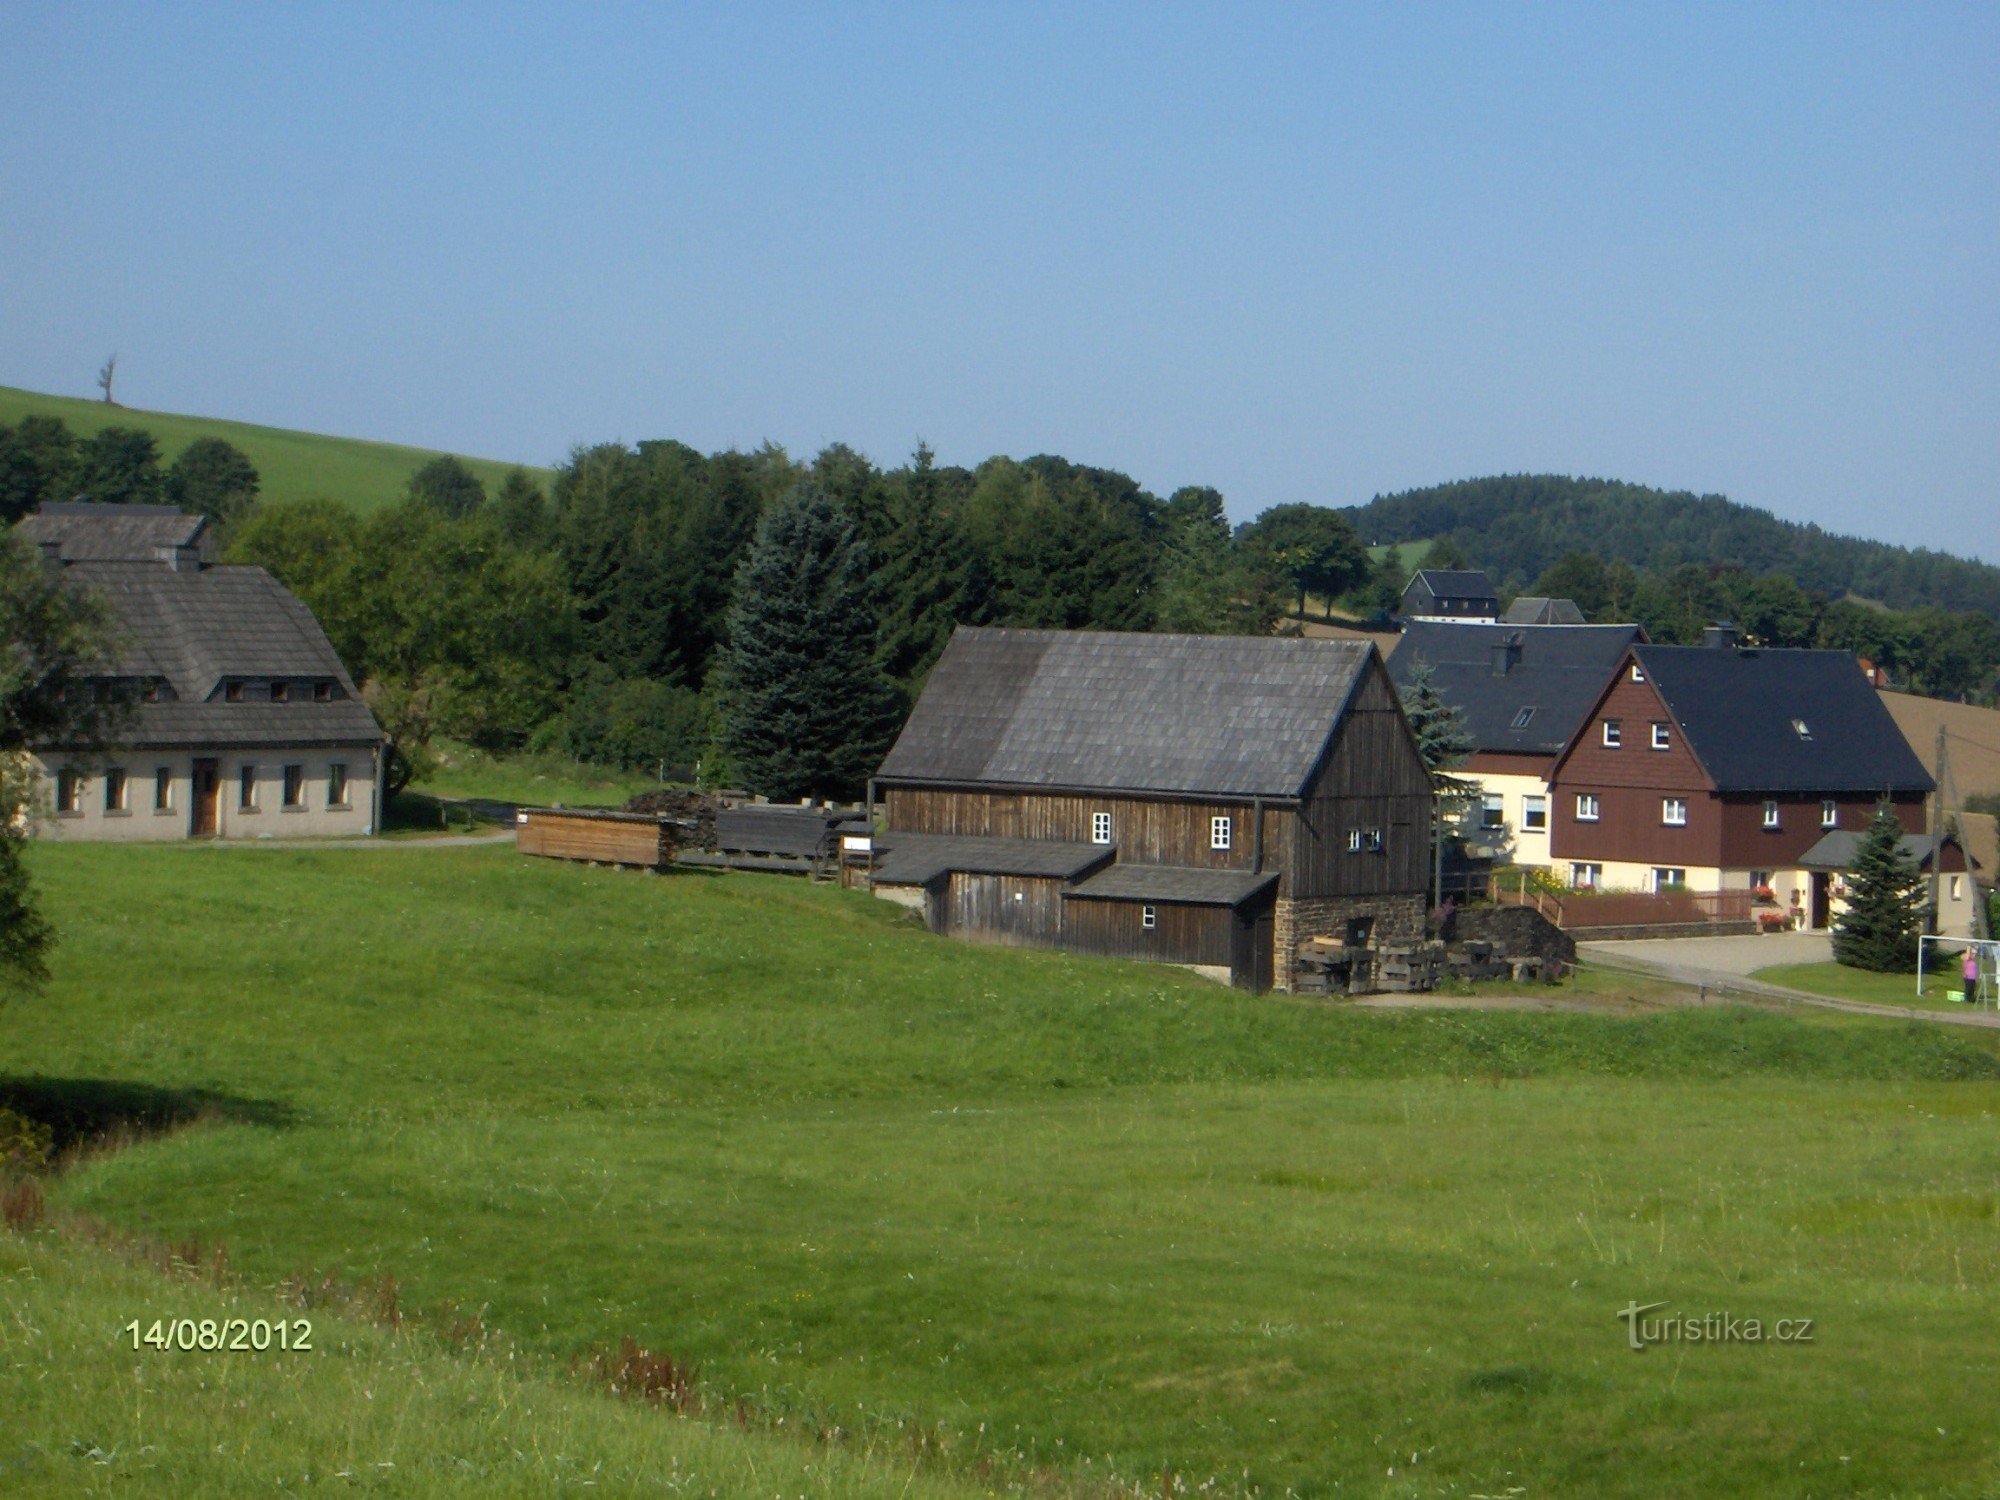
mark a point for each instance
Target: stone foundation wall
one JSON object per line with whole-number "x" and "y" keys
{"x": 1398, "y": 919}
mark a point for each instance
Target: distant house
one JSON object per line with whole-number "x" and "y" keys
{"x": 1440, "y": 594}
{"x": 1521, "y": 691}
{"x": 1719, "y": 768}
{"x": 1531, "y": 609}
{"x": 244, "y": 722}
{"x": 1200, "y": 800}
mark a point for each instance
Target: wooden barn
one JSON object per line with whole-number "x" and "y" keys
{"x": 1211, "y": 801}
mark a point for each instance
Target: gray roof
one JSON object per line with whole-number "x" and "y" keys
{"x": 1558, "y": 672}
{"x": 1197, "y": 714}
{"x": 1837, "y": 849}
{"x": 920, "y": 858}
{"x": 1533, "y": 609}
{"x": 84, "y": 532}
{"x": 1450, "y": 583}
{"x": 1175, "y": 884}
{"x": 1740, "y": 711}
{"x": 198, "y": 628}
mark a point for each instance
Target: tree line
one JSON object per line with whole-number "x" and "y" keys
{"x": 42, "y": 461}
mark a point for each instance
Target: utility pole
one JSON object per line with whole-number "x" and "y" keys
{"x": 1937, "y": 834}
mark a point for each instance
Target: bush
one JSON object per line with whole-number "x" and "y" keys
{"x": 25, "y": 1144}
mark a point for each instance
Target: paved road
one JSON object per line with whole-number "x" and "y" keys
{"x": 1721, "y": 964}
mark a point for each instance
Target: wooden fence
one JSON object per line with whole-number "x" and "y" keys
{"x": 1587, "y": 909}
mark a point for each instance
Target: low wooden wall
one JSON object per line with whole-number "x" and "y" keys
{"x": 609, "y": 838}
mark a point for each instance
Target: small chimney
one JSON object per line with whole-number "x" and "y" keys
{"x": 1720, "y": 636}
{"x": 1507, "y": 655}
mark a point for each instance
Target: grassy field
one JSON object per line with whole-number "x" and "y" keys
{"x": 537, "y": 780}
{"x": 292, "y": 465}
{"x": 1942, "y": 988}
{"x": 365, "y": 1407}
{"x": 1095, "y": 1218}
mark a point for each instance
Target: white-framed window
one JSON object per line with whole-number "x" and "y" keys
{"x": 1535, "y": 814}
{"x": 1829, "y": 814}
{"x": 1149, "y": 917}
{"x": 1100, "y": 828}
{"x": 294, "y": 785}
{"x": 336, "y": 784}
{"x": 1674, "y": 811}
{"x": 1770, "y": 813}
{"x": 1374, "y": 841}
{"x": 114, "y": 789}
{"x": 246, "y": 789}
{"x": 1219, "y": 831}
{"x": 69, "y": 793}
{"x": 1802, "y": 729}
{"x": 1760, "y": 880}
{"x": 1614, "y": 732}
{"x": 1492, "y": 811}
{"x": 1957, "y": 884}
{"x": 1588, "y": 808}
{"x": 1663, "y": 737}
{"x": 1669, "y": 879}
{"x": 1638, "y": 672}
{"x": 1354, "y": 841}
{"x": 163, "y": 789}
{"x": 1586, "y": 877}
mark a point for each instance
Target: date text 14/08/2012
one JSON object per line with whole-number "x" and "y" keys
{"x": 227, "y": 1335}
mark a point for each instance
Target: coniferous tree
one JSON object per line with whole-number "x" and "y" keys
{"x": 805, "y": 709}
{"x": 213, "y": 478}
{"x": 1885, "y": 903}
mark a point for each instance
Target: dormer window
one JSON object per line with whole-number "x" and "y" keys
{"x": 151, "y": 691}
{"x": 1614, "y": 733}
{"x": 280, "y": 691}
{"x": 1801, "y": 729}
{"x": 232, "y": 692}
{"x": 322, "y": 692}
{"x": 1524, "y": 718}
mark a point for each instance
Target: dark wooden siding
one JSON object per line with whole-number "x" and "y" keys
{"x": 1748, "y": 845}
{"x": 1184, "y": 934}
{"x": 1146, "y": 832}
{"x": 1372, "y": 778}
{"x": 1011, "y": 909}
{"x": 1631, "y": 784}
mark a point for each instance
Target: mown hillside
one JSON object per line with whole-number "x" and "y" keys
{"x": 1516, "y": 526}
{"x": 291, "y": 465}
{"x": 1070, "y": 1217}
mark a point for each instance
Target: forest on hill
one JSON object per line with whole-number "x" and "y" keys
{"x": 1517, "y": 526}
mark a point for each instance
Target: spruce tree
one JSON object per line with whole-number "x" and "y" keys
{"x": 1885, "y": 903}
{"x": 806, "y": 711}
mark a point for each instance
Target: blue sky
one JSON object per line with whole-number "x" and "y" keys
{"x": 1300, "y": 253}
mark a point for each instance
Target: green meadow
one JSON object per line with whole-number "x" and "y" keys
{"x": 292, "y": 465}
{"x": 1087, "y": 1225}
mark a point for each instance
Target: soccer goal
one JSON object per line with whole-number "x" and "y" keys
{"x": 1945, "y": 957}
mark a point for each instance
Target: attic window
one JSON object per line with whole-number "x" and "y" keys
{"x": 1218, "y": 833}
{"x": 322, "y": 692}
{"x": 1614, "y": 732}
{"x": 232, "y": 692}
{"x": 1662, "y": 737}
{"x": 280, "y": 691}
{"x": 1638, "y": 672}
{"x": 1801, "y": 729}
{"x": 1522, "y": 718}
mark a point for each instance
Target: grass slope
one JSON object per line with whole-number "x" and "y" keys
{"x": 364, "y": 1408}
{"x": 1943, "y": 989}
{"x": 1078, "y": 1214}
{"x": 292, "y": 465}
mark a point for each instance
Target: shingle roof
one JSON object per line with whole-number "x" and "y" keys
{"x": 1534, "y": 609}
{"x": 113, "y": 533}
{"x": 1448, "y": 583}
{"x": 1739, "y": 711}
{"x": 1222, "y": 715}
{"x": 197, "y": 627}
{"x": 1174, "y": 883}
{"x": 1837, "y": 849}
{"x": 1558, "y": 673}
{"x": 920, "y": 858}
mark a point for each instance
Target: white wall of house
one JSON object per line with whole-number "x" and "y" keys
{"x": 265, "y": 813}
{"x": 1515, "y": 841}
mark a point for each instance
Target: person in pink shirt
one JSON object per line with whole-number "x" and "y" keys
{"x": 1971, "y": 975}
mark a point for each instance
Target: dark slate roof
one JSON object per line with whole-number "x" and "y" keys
{"x": 1221, "y": 715}
{"x": 197, "y": 628}
{"x": 776, "y": 829}
{"x": 1533, "y": 609}
{"x": 1174, "y": 883}
{"x": 114, "y": 533}
{"x": 1447, "y": 583}
{"x": 1558, "y": 673}
{"x": 920, "y": 858}
{"x": 1737, "y": 710}
{"x": 1837, "y": 849}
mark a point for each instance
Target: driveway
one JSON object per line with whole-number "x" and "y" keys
{"x": 1719, "y": 955}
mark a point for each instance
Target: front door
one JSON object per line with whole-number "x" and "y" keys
{"x": 1822, "y": 898}
{"x": 207, "y": 794}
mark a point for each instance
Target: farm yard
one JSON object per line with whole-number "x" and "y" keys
{"x": 1083, "y": 1223}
